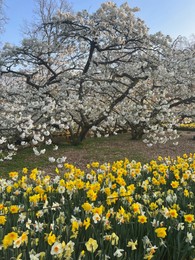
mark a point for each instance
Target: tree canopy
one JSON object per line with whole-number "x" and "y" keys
{"x": 94, "y": 74}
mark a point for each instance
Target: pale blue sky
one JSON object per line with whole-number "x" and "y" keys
{"x": 173, "y": 17}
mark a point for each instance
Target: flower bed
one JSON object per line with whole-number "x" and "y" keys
{"x": 187, "y": 127}
{"x": 123, "y": 210}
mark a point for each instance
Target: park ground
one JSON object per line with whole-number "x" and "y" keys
{"x": 103, "y": 150}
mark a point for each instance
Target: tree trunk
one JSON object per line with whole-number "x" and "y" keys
{"x": 137, "y": 132}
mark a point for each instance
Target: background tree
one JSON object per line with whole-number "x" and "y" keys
{"x": 24, "y": 123}
{"x": 184, "y": 62}
{"x": 3, "y": 17}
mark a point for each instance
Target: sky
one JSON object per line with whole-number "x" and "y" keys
{"x": 171, "y": 17}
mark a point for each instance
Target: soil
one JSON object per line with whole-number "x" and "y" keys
{"x": 102, "y": 149}
{"x": 120, "y": 147}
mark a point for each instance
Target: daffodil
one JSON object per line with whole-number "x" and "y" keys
{"x": 118, "y": 253}
{"x": 189, "y": 218}
{"x": 132, "y": 244}
{"x": 51, "y": 239}
{"x": 91, "y": 245}
{"x": 161, "y": 232}
{"x": 114, "y": 239}
{"x": 173, "y": 213}
{"x": 56, "y": 248}
{"x": 142, "y": 219}
{"x": 189, "y": 237}
{"x": 86, "y": 223}
{"x": 3, "y": 220}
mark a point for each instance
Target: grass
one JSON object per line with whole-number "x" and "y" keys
{"x": 97, "y": 149}
{"x": 92, "y": 149}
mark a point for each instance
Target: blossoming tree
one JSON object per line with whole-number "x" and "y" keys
{"x": 99, "y": 73}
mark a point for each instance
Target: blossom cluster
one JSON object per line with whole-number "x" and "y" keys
{"x": 119, "y": 210}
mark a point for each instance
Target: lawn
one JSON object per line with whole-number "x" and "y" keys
{"x": 99, "y": 149}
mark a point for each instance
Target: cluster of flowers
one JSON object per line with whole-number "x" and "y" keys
{"x": 123, "y": 210}
{"x": 187, "y": 126}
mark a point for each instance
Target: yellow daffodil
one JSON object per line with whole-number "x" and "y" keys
{"x": 14, "y": 209}
{"x": 142, "y": 219}
{"x": 132, "y": 244}
{"x": 173, "y": 213}
{"x": 86, "y": 223}
{"x": 161, "y": 232}
{"x": 91, "y": 245}
{"x": 3, "y": 220}
{"x": 51, "y": 239}
{"x": 189, "y": 218}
